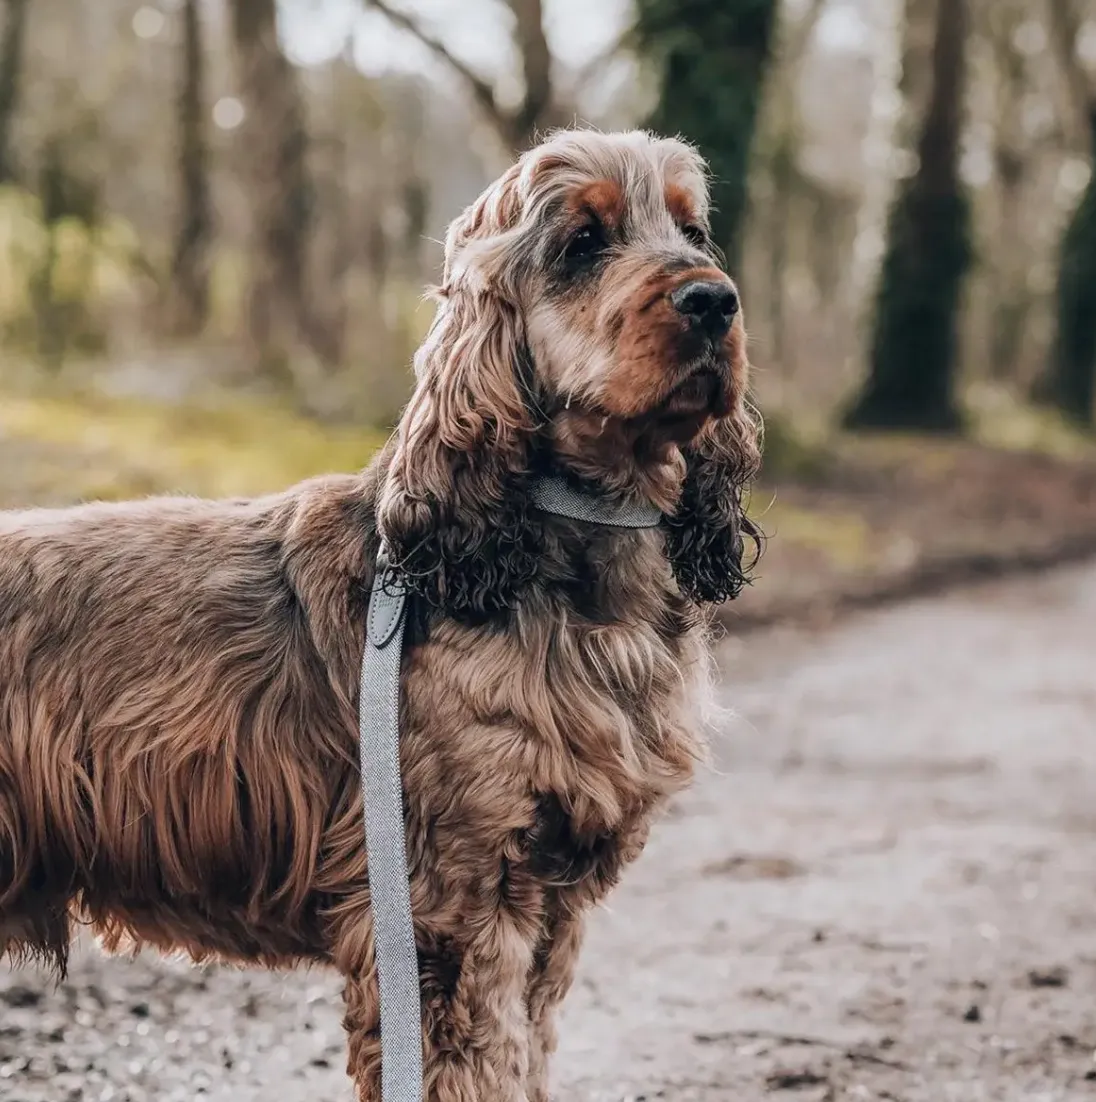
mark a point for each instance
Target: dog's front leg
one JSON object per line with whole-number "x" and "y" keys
{"x": 476, "y": 1036}
{"x": 549, "y": 981}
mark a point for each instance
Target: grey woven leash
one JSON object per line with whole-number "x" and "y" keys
{"x": 382, "y": 793}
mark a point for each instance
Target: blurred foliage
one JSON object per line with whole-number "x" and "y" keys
{"x": 999, "y": 419}
{"x": 791, "y": 452}
{"x": 841, "y": 536}
{"x": 60, "y": 277}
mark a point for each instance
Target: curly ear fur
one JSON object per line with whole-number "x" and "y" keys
{"x": 450, "y": 509}
{"x": 707, "y": 535}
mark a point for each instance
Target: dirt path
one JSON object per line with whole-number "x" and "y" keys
{"x": 888, "y": 891}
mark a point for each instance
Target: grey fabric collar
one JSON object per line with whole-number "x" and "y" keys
{"x": 397, "y": 963}
{"x": 552, "y": 494}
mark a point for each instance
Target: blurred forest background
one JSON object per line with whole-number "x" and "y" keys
{"x": 217, "y": 218}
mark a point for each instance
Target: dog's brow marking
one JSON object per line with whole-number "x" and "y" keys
{"x": 679, "y": 202}
{"x": 602, "y": 198}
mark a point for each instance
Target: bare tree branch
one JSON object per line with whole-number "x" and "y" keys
{"x": 538, "y": 106}
{"x": 536, "y": 64}
{"x": 482, "y": 90}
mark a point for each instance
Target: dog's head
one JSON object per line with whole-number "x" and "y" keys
{"x": 584, "y": 323}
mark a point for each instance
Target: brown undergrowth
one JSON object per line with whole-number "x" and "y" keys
{"x": 870, "y": 519}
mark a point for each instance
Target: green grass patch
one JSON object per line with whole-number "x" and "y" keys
{"x": 844, "y": 538}
{"x": 998, "y": 420}
{"x": 790, "y": 452}
{"x": 130, "y": 447}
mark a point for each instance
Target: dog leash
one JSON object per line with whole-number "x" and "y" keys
{"x": 382, "y": 792}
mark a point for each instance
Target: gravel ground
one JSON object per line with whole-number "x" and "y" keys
{"x": 885, "y": 891}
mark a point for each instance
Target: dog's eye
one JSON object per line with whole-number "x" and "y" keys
{"x": 584, "y": 245}
{"x": 696, "y": 235}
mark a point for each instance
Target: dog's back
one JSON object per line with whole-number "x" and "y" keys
{"x": 157, "y": 673}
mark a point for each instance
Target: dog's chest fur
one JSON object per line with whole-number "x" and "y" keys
{"x": 559, "y": 735}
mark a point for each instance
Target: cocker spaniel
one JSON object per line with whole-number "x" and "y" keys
{"x": 179, "y": 678}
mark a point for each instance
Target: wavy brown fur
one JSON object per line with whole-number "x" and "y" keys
{"x": 178, "y": 678}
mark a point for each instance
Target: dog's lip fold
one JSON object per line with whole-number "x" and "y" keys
{"x": 701, "y": 390}
{"x": 700, "y": 394}
{"x": 696, "y": 392}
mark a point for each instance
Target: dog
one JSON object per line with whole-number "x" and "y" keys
{"x": 179, "y": 677}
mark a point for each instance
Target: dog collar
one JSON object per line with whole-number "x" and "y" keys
{"x": 397, "y": 964}
{"x": 552, "y": 494}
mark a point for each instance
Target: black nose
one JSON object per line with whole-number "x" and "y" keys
{"x": 707, "y": 305}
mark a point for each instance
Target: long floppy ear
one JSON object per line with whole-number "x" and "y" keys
{"x": 451, "y": 508}
{"x": 707, "y": 536}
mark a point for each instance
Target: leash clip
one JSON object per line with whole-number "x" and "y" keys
{"x": 387, "y": 602}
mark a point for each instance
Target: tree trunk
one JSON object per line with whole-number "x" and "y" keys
{"x": 781, "y": 167}
{"x": 915, "y": 343}
{"x": 711, "y": 57}
{"x": 915, "y": 71}
{"x": 11, "y": 72}
{"x": 274, "y": 142}
{"x": 1008, "y": 277}
{"x": 782, "y": 180}
{"x": 536, "y": 64}
{"x": 1073, "y": 366}
{"x": 190, "y": 265}
{"x": 1008, "y": 258}
{"x": 334, "y": 242}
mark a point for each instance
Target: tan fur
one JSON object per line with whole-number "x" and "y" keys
{"x": 178, "y": 678}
